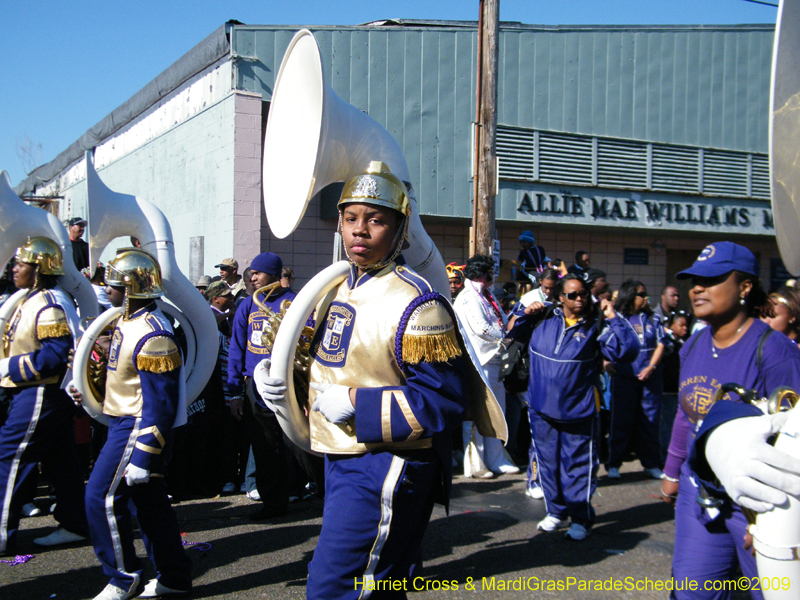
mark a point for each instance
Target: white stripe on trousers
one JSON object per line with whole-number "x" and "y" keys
{"x": 111, "y": 517}
{"x": 12, "y": 473}
{"x": 387, "y": 498}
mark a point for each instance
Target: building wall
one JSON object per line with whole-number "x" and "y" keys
{"x": 701, "y": 86}
{"x": 187, "y": 171}
{"x": 247, "y": 203}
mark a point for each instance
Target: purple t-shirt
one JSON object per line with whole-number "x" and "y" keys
{"x": 702, "y": 375}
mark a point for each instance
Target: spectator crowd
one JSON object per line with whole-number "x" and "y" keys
{"x": 587, "y": 372}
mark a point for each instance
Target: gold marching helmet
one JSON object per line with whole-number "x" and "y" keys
{"x": 137, "y": 271}
{"x": 378, "y": 187}
{"x": 42, "y": 252}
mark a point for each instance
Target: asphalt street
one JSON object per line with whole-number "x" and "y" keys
{"x": 487, "y": 546}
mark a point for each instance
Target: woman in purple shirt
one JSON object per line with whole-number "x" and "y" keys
{"x": 736, "y": 347}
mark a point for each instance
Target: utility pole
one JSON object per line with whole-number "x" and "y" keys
{"x": 485, "y": 184}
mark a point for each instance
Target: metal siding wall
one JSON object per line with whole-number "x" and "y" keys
{"x": 525, "y": 70}
{"x": 446, "y": 134}
{"x": 463, "y": 115}
{"x": 377, "y": 76}
{"x": 600, "y": 81}
{"x": 425, "y": 180}
{"x": 412, "y": 109}
{"x": 695, "y": 87}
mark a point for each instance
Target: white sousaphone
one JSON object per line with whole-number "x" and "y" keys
{"x": 776, "y": 535}
{"x": 18, "y": 222}
{"x": 313, "y": 139}
{"x": 112, "y": 215}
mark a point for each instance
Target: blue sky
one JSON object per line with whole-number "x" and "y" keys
{"x": 67, "y": 64}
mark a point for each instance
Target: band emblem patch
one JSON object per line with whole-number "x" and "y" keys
{"x": 331, "y": 347}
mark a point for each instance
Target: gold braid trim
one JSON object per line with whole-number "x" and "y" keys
{"x": 430, "y": 348}
{"x": 52, "y": 330}
{"x": 159, "y": 364}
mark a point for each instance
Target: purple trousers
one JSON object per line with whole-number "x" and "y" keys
{"x": 708, "y": 551}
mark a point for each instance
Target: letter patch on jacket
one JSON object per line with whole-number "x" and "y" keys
{"x": 334, "y": 339}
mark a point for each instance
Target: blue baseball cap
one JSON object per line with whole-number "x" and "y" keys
{"x": 527, "y": 236}
{"x": 722, "y": 257}
{"x": 267, "y": 262}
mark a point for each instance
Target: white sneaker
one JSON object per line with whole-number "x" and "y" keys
{"x": 229, "y": 488}
{"x": 535, "y": 492}
{"x": 508, "y": 470}
{"x": 254, "y": 495}
{"x": 613, "y": 473}
{"x": 655, "y": 473}
{"x": 551, "y": 523}
{"x": 112, "y": 592}
{"x": 58, "y": 537}
{"x": 485, "y": 474}
{"x": 155, "y": 589}
{"x": 31, "y": 510}
{"x": 576, "y": 532}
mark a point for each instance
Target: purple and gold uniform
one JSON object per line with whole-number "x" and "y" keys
{"x": 142, "y": 401}
{"x": 39, "y": 427}
{"x": 388, "y": 334}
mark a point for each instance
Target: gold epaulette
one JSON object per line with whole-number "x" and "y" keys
{"x": 430, "y": 335}
{"x": 52, "y": 323}
{"x": 159, "y": 354}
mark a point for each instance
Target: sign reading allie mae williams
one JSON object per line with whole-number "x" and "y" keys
{"x": 594, "y": 206}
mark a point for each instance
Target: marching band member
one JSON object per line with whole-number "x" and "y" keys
{"x": 39, "y": 427}
{"x": 143, "y": 400}
{"x": 245, "y": 352}
{"x": 388, "y": 384}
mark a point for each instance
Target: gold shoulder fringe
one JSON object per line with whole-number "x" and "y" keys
{"x": 52, "y": 330}
{"x": 159, "y": 364}
{"x": 430, "y": 348}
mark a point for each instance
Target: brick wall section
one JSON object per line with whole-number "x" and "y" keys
{"x": 247, "y": 204}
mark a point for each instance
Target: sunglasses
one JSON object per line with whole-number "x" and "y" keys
{"x": 576, "y": 295}
{"x": 641, "y": 294}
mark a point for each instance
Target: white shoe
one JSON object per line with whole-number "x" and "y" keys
{"x": 613, "y": 473}
{"x": 254, "y": 495}
{"x": 576, "y": 532}
{"x": 31, "y": 510}
{"x": 229, "y": 488}
{"x": 551, "y": 523}
{"x": 485, "y": 474}
{"x": 112, "y": 592}
{"x": 655, "y": 473}
{"x": 535, "y": 492}
{"x": 508, "y": 470}
{"x": 58, "y": 537}
{"x": 155, "y": 589}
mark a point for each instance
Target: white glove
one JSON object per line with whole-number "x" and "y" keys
{"x": 134, "y": 475}
{"x": 753, "y": 473}
{"x": 333, "y": 401}
{"x": 4, "y": 367}
{"x": 270, "y": 389}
